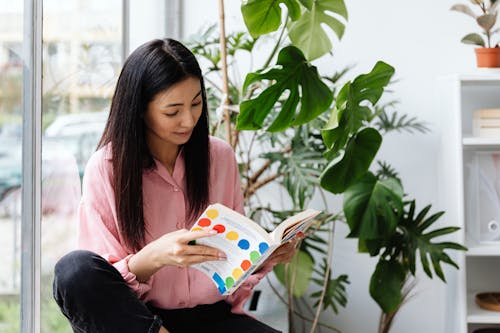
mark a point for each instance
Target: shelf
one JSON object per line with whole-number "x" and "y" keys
{"x": 476, "y": 250}
{"x": 476, "y": 315}
{"x": 486, "y": 75}
{"x": 471, "y": 142}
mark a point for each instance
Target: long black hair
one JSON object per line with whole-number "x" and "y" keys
{"x": 152, "y": 68}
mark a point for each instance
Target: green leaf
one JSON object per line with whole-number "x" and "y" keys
{"x": 335, "y": 293}
{"x": 358, "y": 156}
{"x": 474, "y": 39}
{"x": 350, "y": 113}
{"x": 264, "y": 16}
{"x": 303, "y": 84}
{"x": 308, "y": 34}
{"x": 419, "y": 240}
{"x": 300, "y": 171}
{"x": 386, "y": 284}
{"x": 372, "y": 207}
{"x": 397, "y": 122}
{"x": 464, "y": 9}
{"x": 487, "y": 21}
{"x": 299, "y": 272}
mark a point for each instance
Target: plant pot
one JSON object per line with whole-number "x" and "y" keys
{"x": 488, "y": 56}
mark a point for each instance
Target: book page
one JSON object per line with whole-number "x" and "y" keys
{"x": 242, "y": 240}
{"x": 290, "y": 227}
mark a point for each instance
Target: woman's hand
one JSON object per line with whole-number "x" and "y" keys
{"x": 173, "y": 249}
{"x": 285, "y": 252}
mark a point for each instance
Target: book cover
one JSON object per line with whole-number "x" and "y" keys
{"x": 245, "y": 243}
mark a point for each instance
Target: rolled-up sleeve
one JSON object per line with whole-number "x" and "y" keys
{"x": 98, "y": 228}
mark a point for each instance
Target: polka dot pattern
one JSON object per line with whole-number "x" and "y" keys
{"x": 212, "y": 219}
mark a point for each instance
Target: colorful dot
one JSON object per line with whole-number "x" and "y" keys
{"x": 229, "y": 282}
{"x": 216, "y": 277}
{"x": 221, "y": 286}
{"x": 263, "y": 247}
{"x": 212, "y": 213}
{"x": 254, "y": 256}
{"x": 197, "y": 229}
{"x": 245, "y": 265}
{"x": 204, "y": 222}
{"x": 237, "y": 273}
{"x": 244, "y": 244}
{"x": 219, "y": 228}
{"x": 232, "y": 235}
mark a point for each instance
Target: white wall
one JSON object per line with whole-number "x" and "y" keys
{"x": 147, "y": 21}
{"x": 421, "y": 39}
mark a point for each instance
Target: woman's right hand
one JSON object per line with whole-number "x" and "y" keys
{"x": 173, "y": 249}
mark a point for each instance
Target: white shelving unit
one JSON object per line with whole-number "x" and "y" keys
{"x": 458, "y": 97}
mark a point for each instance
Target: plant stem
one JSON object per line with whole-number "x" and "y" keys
{"x": 326, "y": 277}
{"x": 225, "y": 83}
{"x": 278, "y": 44}
{"x": 265, "y": 166}
{"x": 252, "y": 184}
{"x": 298, "y": 314}
{"x": 254, "y": 187}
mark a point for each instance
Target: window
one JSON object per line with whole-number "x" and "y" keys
{"x": 11, "y": 86}
{"x": 81, "y": 53}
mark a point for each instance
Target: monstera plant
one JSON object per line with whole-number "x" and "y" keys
{"x": 293, "y": 129}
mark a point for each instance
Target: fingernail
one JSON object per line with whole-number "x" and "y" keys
{"x": 222, "y": 256}
{"x": 213, "y": 232}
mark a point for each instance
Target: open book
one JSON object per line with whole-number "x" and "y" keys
{"x": 245, "y": 243}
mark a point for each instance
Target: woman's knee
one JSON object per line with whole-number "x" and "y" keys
{"x": 77, "y": 270}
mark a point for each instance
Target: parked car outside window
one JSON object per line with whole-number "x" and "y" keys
{"x": 67, "y": 143}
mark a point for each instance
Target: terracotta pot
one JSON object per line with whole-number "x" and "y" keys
{"x": 488, "y": 57}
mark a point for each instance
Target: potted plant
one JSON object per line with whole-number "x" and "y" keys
{"x": 488, "y": 54}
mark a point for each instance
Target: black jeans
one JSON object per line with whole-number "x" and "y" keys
{"x": 94, "y": 297}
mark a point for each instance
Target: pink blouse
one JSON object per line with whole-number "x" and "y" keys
{"x": 164, "y": 211}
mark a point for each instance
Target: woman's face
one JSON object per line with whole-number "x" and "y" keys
{"x": 173, "y": 113}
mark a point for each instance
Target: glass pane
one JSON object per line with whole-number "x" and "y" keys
{"x": 81, "y": 62}
{"x": 11, "y": 85}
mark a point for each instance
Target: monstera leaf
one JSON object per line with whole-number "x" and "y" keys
{"x": 295, "y": 75}
{"x": 349, "y": 113}
{"x": 359, "y": 154}
{"x": 386, "y": 284}
{"x": 264, "y": 16}
{"x": 373, "y": 207}
{"x": 308, "y": 33}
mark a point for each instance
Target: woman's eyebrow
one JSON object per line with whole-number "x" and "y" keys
{"x": 178, "y": 104}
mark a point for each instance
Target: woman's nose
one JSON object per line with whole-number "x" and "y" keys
{"x": 187, "y": 119}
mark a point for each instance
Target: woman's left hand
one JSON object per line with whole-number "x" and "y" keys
{"x": 284, "y": 253}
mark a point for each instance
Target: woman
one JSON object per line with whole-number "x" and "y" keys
{"x": 156, "y": 169}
